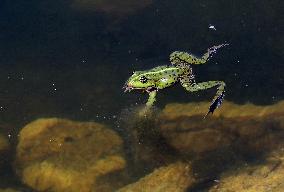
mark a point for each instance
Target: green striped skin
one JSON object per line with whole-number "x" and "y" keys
{"x": 159, "y": 78}
{"x": 165, "y": 76}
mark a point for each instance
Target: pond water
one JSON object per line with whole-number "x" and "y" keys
{"x": 70, "y": 59}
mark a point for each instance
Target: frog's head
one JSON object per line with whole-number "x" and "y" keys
{"x": 139, "y": 80}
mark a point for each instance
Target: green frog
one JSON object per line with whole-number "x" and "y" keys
{"x": 181, "y": 72}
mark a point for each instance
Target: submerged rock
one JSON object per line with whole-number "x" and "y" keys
{"x": 177, "y": 177}
{"x": 9, "y": 190}
{"x": 62, "y": 155}
{"x": 263, "y": 177}
{"x": 227, "y": 110}
{"x": 234, "y": 134}
{"x": 247, "y": 128}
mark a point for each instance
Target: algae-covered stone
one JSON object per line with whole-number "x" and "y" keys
{"x": 263, "y": 177}
{"x": 62, "y": 155}
{"x": 177, "y": 177}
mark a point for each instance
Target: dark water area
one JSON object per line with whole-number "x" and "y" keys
{"x": 50, "y": 45}
{"x": 70, "y": 59}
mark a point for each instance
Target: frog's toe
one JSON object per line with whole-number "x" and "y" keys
{"x": 214, "y": 49}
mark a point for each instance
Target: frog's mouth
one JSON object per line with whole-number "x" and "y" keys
{"x": 128, "y": 88}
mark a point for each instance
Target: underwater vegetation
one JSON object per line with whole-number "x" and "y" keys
{"x": 239, "y": 148}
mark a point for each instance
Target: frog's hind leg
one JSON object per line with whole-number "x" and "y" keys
{"x": 217, "y": 100}
{"x": 180, "y": 58}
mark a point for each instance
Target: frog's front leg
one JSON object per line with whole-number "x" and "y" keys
{"x": 152, "y": 98}
{"x": 217, "y": 100}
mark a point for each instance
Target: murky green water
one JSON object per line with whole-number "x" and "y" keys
{"x": 70, "y": 59}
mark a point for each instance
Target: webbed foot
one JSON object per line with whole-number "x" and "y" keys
{"x": 193, "y": 87}
{"x": 215, "y": 104}
{"x": 214, "y": 49}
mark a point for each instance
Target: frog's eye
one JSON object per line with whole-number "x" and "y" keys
{"x": 143, "y": 79}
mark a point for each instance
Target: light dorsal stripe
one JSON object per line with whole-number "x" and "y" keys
{"x": 161, "y": 71}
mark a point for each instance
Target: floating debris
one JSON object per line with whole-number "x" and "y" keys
{"x": 212, "y": 27}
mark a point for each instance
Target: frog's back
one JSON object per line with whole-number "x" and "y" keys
{"x": 165, "y": 70}
{"x": 164, "y": 76}
{"x": 159, "y": 68}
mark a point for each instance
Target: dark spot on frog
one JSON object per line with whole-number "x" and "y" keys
{"x": 143, "y": 79}
{"x": 69, "y": 139}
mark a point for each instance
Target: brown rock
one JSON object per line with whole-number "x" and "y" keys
{"x": 62, "y": 155}
{"x": 264, "y": 177}
{"x": 199, "y": 141}
{"x": 177, "y": 177}
{"x": 9, "y": 190}
{"x": 249, "y": 128}
{"x": 227, "y": 110}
